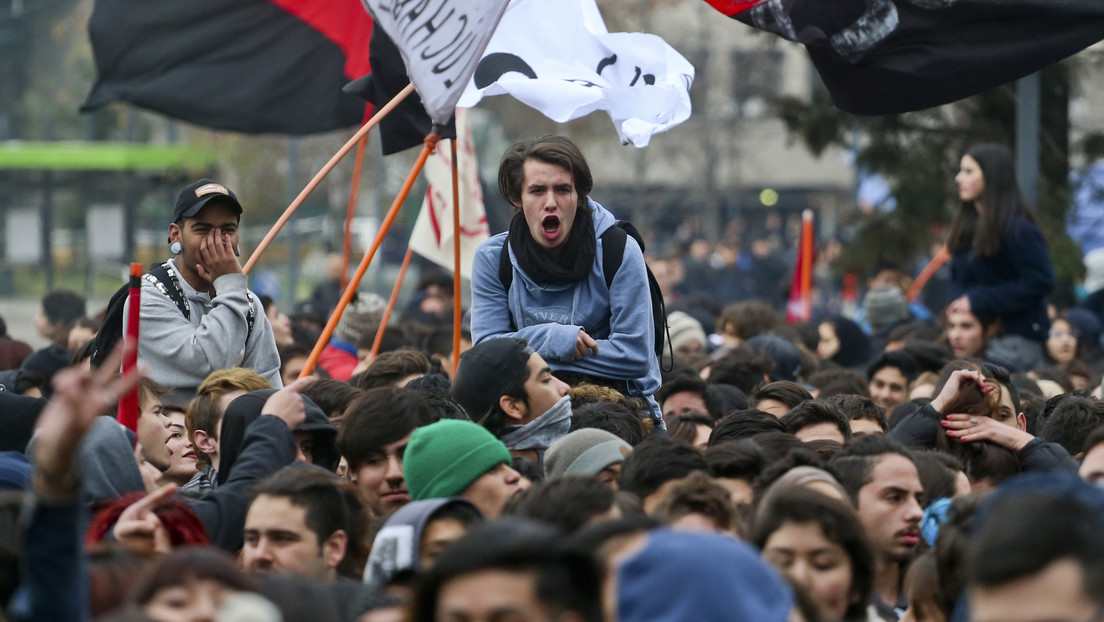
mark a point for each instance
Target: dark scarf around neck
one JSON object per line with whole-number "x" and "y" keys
{"x": 574, "y": 261}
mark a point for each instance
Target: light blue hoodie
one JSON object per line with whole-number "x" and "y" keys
{"x": 619, "y": 318}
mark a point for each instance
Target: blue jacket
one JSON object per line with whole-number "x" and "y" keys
{"x": 1011, "y": 285}
{"x": 619, "y": 318}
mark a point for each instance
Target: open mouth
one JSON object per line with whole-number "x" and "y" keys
{"x": 550, "y": 224}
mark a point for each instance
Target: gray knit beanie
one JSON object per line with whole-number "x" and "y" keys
{"x": 362, "y": 315}
{"x": 584, "y": 452}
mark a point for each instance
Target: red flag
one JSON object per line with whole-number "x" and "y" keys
{"x": 800, "y": 306}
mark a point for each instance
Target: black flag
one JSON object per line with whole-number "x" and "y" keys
{"x": 891, "y": 56}
{"x": 408, "y": 124}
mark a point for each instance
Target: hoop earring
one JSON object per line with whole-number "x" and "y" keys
{"x": 175, "y": 247}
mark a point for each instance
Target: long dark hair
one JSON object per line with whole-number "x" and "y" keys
{"x": 1002, "y": 200}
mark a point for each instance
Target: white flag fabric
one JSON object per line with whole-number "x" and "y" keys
{"x": 558, "y": 57}
{"x": 432, "y": 237}
{"x": 441, "y": 41}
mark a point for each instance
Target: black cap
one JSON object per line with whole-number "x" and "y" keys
{"x": 486, "y": 371}
{"x": 198, "y": 194}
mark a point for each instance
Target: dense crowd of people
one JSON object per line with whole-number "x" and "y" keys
{"x": 580, "y": 457}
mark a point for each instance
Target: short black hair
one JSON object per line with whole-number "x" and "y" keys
{"x": 1025, "y": 534}
{"x": 839, "y": 379}
{"x": 566, "y": 503}
{"x": 857, "y": 407}
{"x": 438, "y": 399}
{"x": 721, "y": 399}
{"x": 377, "y": 418}
{"x": 63, "y": 305}
{"x": 736, "y": 460}
{"x": 331, "y": 504}
{"x": 744, "y": 424}
{"x": 938, "y": 477}
{"x": 1095, "y": 438}
{"x": 656, "y": 461}
{"x": 684, "y": 427}
{"x": 900, "y": 360}
{"x": 565, "y": 579}
{"x": 435, "y": 277}
{"x": 742, "y": 368}
{"x": 1071, "y": 421}
{"x": 814, "y": 412}
{"x": 614, "y": 418}
{"x": 789, "y": 393}
{"x": 854, "y": 465}
{"x": 332, "y": 396}
{"x": 777, "y": 444}
{"x": 685, "y": 380}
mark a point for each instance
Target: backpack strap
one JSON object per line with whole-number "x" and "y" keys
{"x": 165, "y": 278}
{"x": 506, "y": 277}
{"x": 613, "y": 250}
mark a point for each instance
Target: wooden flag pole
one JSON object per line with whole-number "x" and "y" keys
{"x": 927, "y": 273}
{"x": 391, "y": 303}
{"x": 318, "y": 177}
{"x": 350, "y": 289}
{"x": 455, "y": 259}
{"x": 347, "y": 248}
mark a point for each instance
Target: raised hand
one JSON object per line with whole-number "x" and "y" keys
{"x": 287, "y": 404}
{"x": 955, "y": 383}
{"x": 217, "y": 256}
{"x": 139, "y": 527}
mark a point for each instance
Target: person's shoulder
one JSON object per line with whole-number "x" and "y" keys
{"x": 1022, "y": 223}
{"x": 492, "y": 244}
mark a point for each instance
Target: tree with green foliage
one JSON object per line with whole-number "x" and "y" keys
{"x": 919, "y": 153}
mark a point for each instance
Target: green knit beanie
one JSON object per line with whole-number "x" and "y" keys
{"x": 444, "y": 458}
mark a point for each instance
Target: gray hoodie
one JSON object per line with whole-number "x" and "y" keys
{"x": 106, "y": 464}
{"x": 180, "y": 353}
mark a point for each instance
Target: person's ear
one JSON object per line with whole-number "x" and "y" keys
{"x": 513, "y": 407}
{"x": 175, "y": 233}
{"x": 204, "y": 443}
{"x": 1021, "y": 422}
{"x": 333, "y": 549}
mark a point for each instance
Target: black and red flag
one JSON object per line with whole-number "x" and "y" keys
{"x": 891, "y": 56}
{"x": 408, "y": 124}
{"x": 255, "y": 66}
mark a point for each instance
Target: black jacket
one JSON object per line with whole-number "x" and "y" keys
{"x": 921, "y": 429}
{"x": 1011, "y": 285}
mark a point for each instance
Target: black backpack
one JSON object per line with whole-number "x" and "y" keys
{"x": 613, "y": 245}
{"x": 164, "y": 279}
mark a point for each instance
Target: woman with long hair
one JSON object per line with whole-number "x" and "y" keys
{"x": 1000, "y": 265}
{"x": 819, "y": 542}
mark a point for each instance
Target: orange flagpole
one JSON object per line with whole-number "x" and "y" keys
{"x": 455, "y": 258}
{"x": 391, "y": 303}
{"x": 318, "y": 177}
{"x": 385, "y": 226}
{"x": 347, "y": 249}
{"x": 927, "y": 273}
